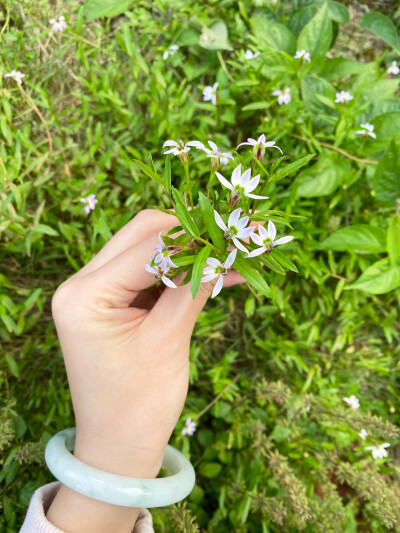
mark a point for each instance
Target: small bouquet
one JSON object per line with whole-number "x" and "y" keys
{"x": 215, "y": 231}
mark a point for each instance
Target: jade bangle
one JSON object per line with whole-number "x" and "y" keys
{"x": 114, "y": 488}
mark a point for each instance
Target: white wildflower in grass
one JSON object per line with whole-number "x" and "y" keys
{"x": 90, "y": 203}
{"x": 343, "y": 97}
{"x": 283, "y": 95}
{"x": 190, "y": 427}
{"x": 393, "y": 69}
{"x": 236, "y": 228}
{"x": 251, "y": 55}
{"x": 363, "y": 434}
{"x": 160, "y": 273}
{"x": 352, "y": 401}
{"x": 216, "y": 269}
{"x": 16, "y": 75}
{"x": 303, "y": 55}
{"x": 170, "y": 51}
{"x": 210, "y": 93}
{"x": 178, "y": 148}
{"x": 259, "y": 146}
{"x": 216, "y": 154}
{"x": 163, "y": 254}
{"x": 58, "y": 24}
{"x": 368, "y": 129}
{"x": 378, "y": 450}
{"x": 241, "y": 185}
{"x": 266, "y": 239}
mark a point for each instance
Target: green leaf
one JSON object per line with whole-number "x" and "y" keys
{"x": 386, "y": 181}
{"x": 210, "y": 470}
{"x": 316, "y": 36}
{"x": 360, "y": 238}
{"x": 270, "y": 262}
{"x": 321, "y": 114}
{"x": 215, "y": 37}
{"x": 245, "y": 267}
{"x": 338, "y": 12}
{"x": 388, "y": 124}
{"x": 393, "y": 240}
{"x": 213, "y": 229}
{"x": 131, "y": 49}
{"x": 292, "y": 167}
{"x": 184, "y": 260}
{"x": 256, "y": 105}
{"x": 12, "y": 365}
{"x": 337, "y": 68}
{"x": 383, "y": 27}
{"x": 47, "y": 230}
{"x": 147, "y": 170}
{"x": 167, "y": 174}
{"x": 274, "y": 35}
{"x": 183, "y": 214}
{"x": 322, "y": 178}
{"x": 283, "y": 260}
{"x": 94, "y": 9}
{"x": 198, "y": 268}
{"x": 379, "y": 278}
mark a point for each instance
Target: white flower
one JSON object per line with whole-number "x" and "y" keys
{"x": 178, "y": 148}
{"x": 241, "y": 184}
{"x": 378, "y": 451}
{"x": 302, "y": 54}
{"x": 163, "y": 254}
{"x": 214, "y": 153}
{"x": 216, "y": 269}
{"x": 170, "y": 51}
{"x": 353, "y": 401}
{"x": 236, "y": 228}
{"x": 368, "y": 130}
{"x": 266, "y": 239}
{"x": 259, "y": 146}
{"x": 283, "y": 96}
{"x": 58, "y": 24}
{"x": 159, "y": 273}
{"x": 210, "y": 93}
{"x": 251, "y": 55}
{"x": 190, "y": 427}
{"x": 90, "y": 203}
{"x": 393, "y": 69}
{"x": 363, "y": 434}
{"x": 343, "y": 97}
{"x": 16, "y": 75}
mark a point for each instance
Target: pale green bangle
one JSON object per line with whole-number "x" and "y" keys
{"x": 116, "y": 489}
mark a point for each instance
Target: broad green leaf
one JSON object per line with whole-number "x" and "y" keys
{"x": 198, "y": 268}
{"x": 383, "y": 27}
{"x": 387, "y": 177}
{"x": 388, "y": 124}
{"x": 322, "y": 178}
{"x": 245, "y": 267}
{"x": 94, "y": 9}
{"x": 338, "y": 67}
{"x": 215, "y": 37}
{"x": 274, "y": 35}
{"x": 360, "y": 238}
{"x": 183, "y": 214}
{"x": 167, "y": 174}
{"x": 147, "y": 170}
{"x": 283, "y": 260}
{"x": 393, "y": 240}
{"x": 47, "y": 230}
{"x": 321, "y": 114}
{"x": 213, "y": 229}
{"x": 316, "y": 36}
{"x": 210, "y": 470}
{"x": 292, "y": 167}
{"x": 338, "y": 12}
{"x": 379, "y": 278}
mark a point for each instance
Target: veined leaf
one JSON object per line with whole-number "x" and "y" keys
{"x": 292, "y": 167}
{"x": 360, "y": 238}
{"x": 393, "y": 240}
{"x": 270, "y": 262}
{"x": 245, "y": 267}
{"x": 316, "y": 36}
{"x": 214, "y": 231}
{"x": 183, "y": 214}
{"x": 283, "y": 260}
{"x": 379, "y": 278}
{"x": 383, "y": 27}
{"x": 147, "y": 170}
{"x": 387, "y": 176}
{"x": 198, "y": 268}
{"x": 184, "y": 260}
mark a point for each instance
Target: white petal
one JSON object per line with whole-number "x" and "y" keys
{"x": 150, "y": 269}
{"x": 239, "y": 245}
{"x": 244, "y": 233}
{"x": 227, "y": 154}
{"x": 282, "y": 240}
{"x": 271, "y": 230}
{"x": 213, "y": 146}
{"x": 256, "y": 197}
{"x": 219, "y": 221}
{"x": 234, "y": 217}
{"x": 209, "y": 277}
{"x": 213, "y": 262}
{"x": 257, "y": 239}
{"x": 235, "y": 178}
{"x": 218, "y": 287}
{"x": 243, "y": 144}
{"x": 261, "y": 139}
{"x": 224, "y": 181}
{"x": 230, "y": 259}
{"x": 170, "y": 143}
{"x": 245, "y": 177}
{"x": 263, "y": 232}
{"x": 252, "y": 184}
{"x": 242, "y": 223}
{"x": 257, "y": 251}
{"x": 168, "y": 282}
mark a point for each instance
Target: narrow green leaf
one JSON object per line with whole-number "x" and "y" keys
{"x": 270, "y": 262}
{"x": 393, "y": 240}
{"x": 183, "y": 214}
{"x": 44, "y": 228}
{"x": 283, "y": 260}
{"x": 12, "y": 365}
{"x": 245, "y": 267}
{"x": 214, "y": 231}
{"x": 256, "y": 105}
{"x": 151, "y": 163}
{"x": 184, "y": 260}
{"x": 292, "y": 167}
{"x": 198, "y": 268}
{"x": 148, "y": 171}
{"x": 167, "y": 174}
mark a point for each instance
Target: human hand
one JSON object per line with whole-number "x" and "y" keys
{"x": 126, "y": 353}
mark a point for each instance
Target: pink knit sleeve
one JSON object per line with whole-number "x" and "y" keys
{"x": 36, "y": 521}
